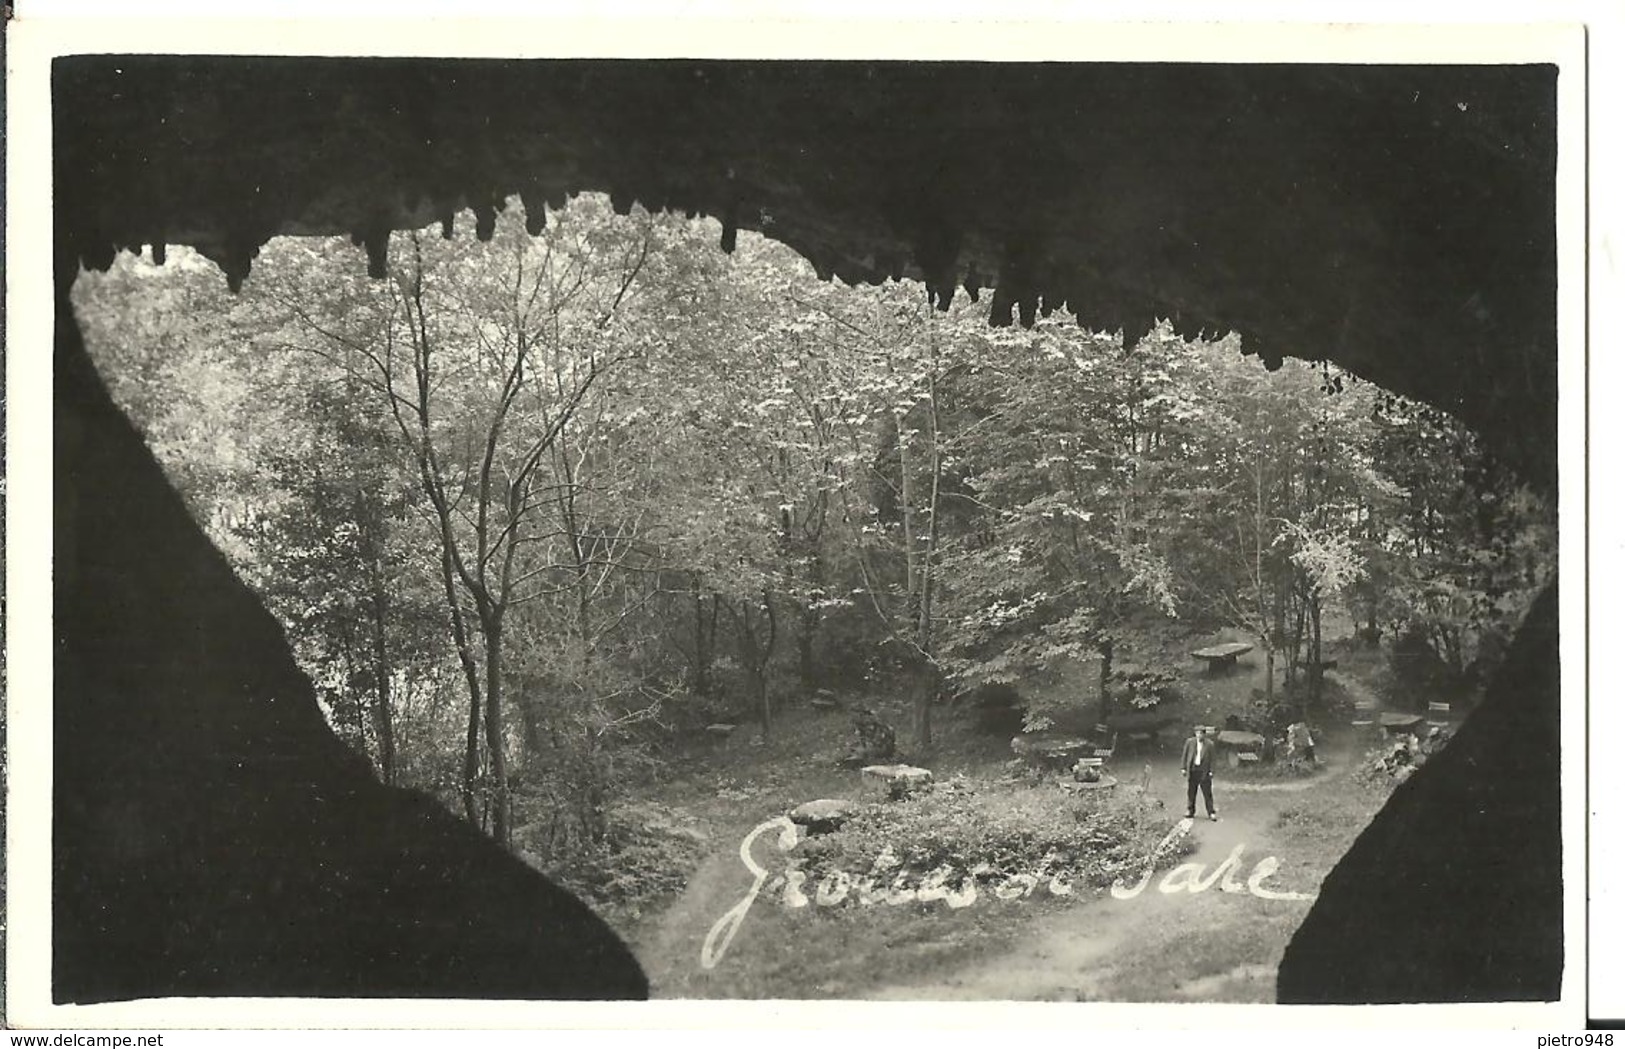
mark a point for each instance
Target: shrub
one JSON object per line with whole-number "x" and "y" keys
{"x": 999, "y": 709}
{"x": 1269, "y": 718}
{"x": 993, "y": 833}
{"x": 1145, "y": 687}
{"x": 1392, "y": 763}
{"x": 648, "y": 852}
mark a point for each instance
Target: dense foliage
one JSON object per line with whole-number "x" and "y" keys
{"x": 528, "y": 506}
{"x": 993, "y": 836}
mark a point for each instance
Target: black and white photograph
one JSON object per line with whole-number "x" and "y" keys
{"x": 745, "y": 525}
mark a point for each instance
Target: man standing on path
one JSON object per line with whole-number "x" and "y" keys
{"x": 1197, "y": 764}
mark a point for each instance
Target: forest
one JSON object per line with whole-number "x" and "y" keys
{"x": 548, "y": 498}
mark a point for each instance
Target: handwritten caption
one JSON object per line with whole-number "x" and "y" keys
{"x": 880, "y": 886}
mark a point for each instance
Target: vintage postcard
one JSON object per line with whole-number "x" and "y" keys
{"x": 765, "y": 515}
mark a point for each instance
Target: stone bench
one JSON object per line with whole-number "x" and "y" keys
{"x": 1401, "y": 724}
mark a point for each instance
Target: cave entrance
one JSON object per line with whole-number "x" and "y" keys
{"x": 570, "y": 516}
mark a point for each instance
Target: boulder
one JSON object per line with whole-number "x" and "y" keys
{"x": 823, "y": 815}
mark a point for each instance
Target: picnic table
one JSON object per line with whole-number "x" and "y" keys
{"x": 1223, "y": 655}
{"x": 1239, "y": 746}
{"x": 1058, "y": 752}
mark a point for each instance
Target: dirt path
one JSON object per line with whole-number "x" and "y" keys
{"x": 1207, "y": 945}
{"x": 1101, "y": 949}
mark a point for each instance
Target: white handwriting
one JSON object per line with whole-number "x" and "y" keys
{"x": 887, "y": 884}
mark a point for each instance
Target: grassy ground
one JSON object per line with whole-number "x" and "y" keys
{"x": 727, "y": 787}
{"x": 817, "y": 952}
{"x": 1227, "y": 947}
{"x": 841, "y": 952}
{"x": 1212, "y": 946}
{"x": 1320, "y": 824}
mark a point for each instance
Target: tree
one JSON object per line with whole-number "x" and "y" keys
{"x": 888, "y": 455}
{"x": 1071, "y": 449}
{"x": 485, "y": 357}
{"x": 1461, "y": 548}
{"x": 515, "y": 499}
{"x": 339, "y": 564}
{"x": 1288, "y": 484}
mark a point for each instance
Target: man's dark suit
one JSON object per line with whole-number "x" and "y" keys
{"x": 1197, "y": 774}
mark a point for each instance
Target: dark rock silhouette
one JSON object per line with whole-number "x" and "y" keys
{"x": 1447, "y": 895}
{"x": 212, "y": 836}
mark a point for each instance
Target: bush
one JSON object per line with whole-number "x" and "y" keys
{"x": 1267, "y": 717}
{"x": 999, "y": 709}
{"x": 1145, "y": 687}
{"x": 1394, "y": 762}
{"x": 648, "y": 853}
{"x": 993, "y": 833}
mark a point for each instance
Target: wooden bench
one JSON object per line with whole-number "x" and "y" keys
{"x": 1438, "y": 715}
{"x": 1225, "y": 655}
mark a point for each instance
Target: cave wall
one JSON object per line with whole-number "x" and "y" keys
{"x": 211, "y": 836}
{"x": 1396, "y": 220}
{"x": 1473, "y": 916}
